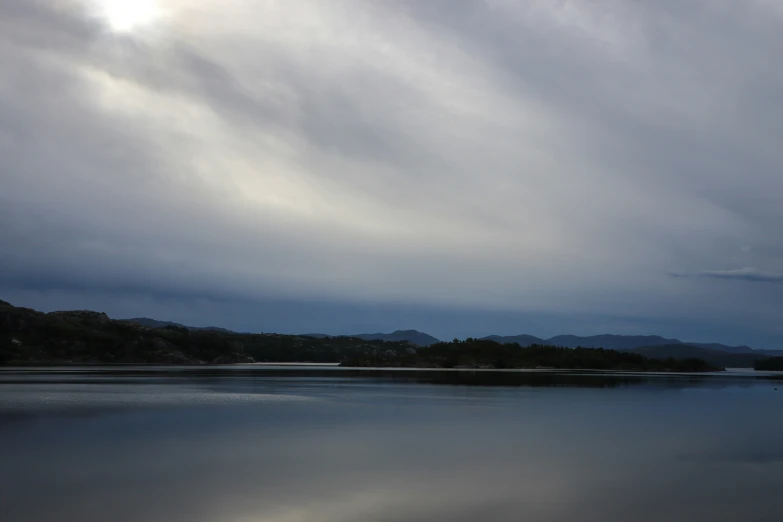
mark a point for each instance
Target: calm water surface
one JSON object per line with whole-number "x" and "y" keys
{"x": 256, "y": 444}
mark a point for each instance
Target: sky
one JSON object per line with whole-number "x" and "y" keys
{"x": 463, "y": 168}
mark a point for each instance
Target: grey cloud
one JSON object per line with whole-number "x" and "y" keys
{"x": 508, "y": 157}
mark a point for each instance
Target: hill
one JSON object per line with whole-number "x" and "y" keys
{"x": 622, "y": 342}
{"x": 154, "y": 323}
{"x": 412, "y": 336}
{"x": 610, "y": 342}
{"x": 28, "y": 336}
{"x": 725, "y": 348}
{"x": 521, "y": 340}
{"x": 487, "y": 354}
{"x": 31, "y": 337}
{"x": 772, "y": 364}
{"x": 712, "y": 356}
{"x": 606, "y": 341}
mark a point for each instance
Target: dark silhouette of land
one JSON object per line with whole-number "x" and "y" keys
{"x": 79, "y": 337}
{"x": 488, "y": 354}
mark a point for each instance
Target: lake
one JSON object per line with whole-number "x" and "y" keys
{"x": 318, "y": 444}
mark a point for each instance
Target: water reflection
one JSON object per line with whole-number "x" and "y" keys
{"x": 339, "y": 446}
{"x": 327, "y": 373}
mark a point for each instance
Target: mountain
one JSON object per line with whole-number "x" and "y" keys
{"x": 620, "y": 342}
{"x": 154, "y": 323}
{"x": 411, "y": 336}
{"x": 606, "y": 341}
{"x": 712, "y": 356}
{"x": 86, "y": 337}
{"x": 610, "y": 342}
{"x": 723, "y": 347}
{"x": 521, "y": 340}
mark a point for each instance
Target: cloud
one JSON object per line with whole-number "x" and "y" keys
{"x": 749, "y": 274}
{"x": 501, "y": 156}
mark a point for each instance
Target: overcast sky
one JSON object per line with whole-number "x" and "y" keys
{"x": 459, "y": 167}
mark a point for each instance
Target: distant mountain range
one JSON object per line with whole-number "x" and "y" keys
{"x": 606, "y": 341}
{"x": 613, "y": 342}
{"x": 652, "y": 346}
{"x": 85, "y": 336}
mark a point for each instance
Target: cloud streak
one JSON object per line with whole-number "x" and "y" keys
{"x": 748, "y": 274}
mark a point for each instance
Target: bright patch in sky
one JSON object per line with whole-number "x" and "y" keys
{"x": 126, "y": 16}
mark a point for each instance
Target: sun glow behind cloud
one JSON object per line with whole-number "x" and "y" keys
{"x": 127, "y": 16}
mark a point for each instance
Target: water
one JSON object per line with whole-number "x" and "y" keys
{"x": 254, "y": 444}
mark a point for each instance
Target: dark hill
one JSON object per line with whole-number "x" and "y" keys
{"x": 723, "y": 347}
{"x": 610, "y": 342}
{"x": 772, "y": 364}
{"x": 486, "y": 354}
{"x": 31, "y": 337}
{"x": 84, "y": 336}
{"x": 714, "y": 357}
{"x": 521, "y": 340}
{"x": 412, "y": 336}
{"x": 620, "y": 342}
{"x": 154, "y": 323}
